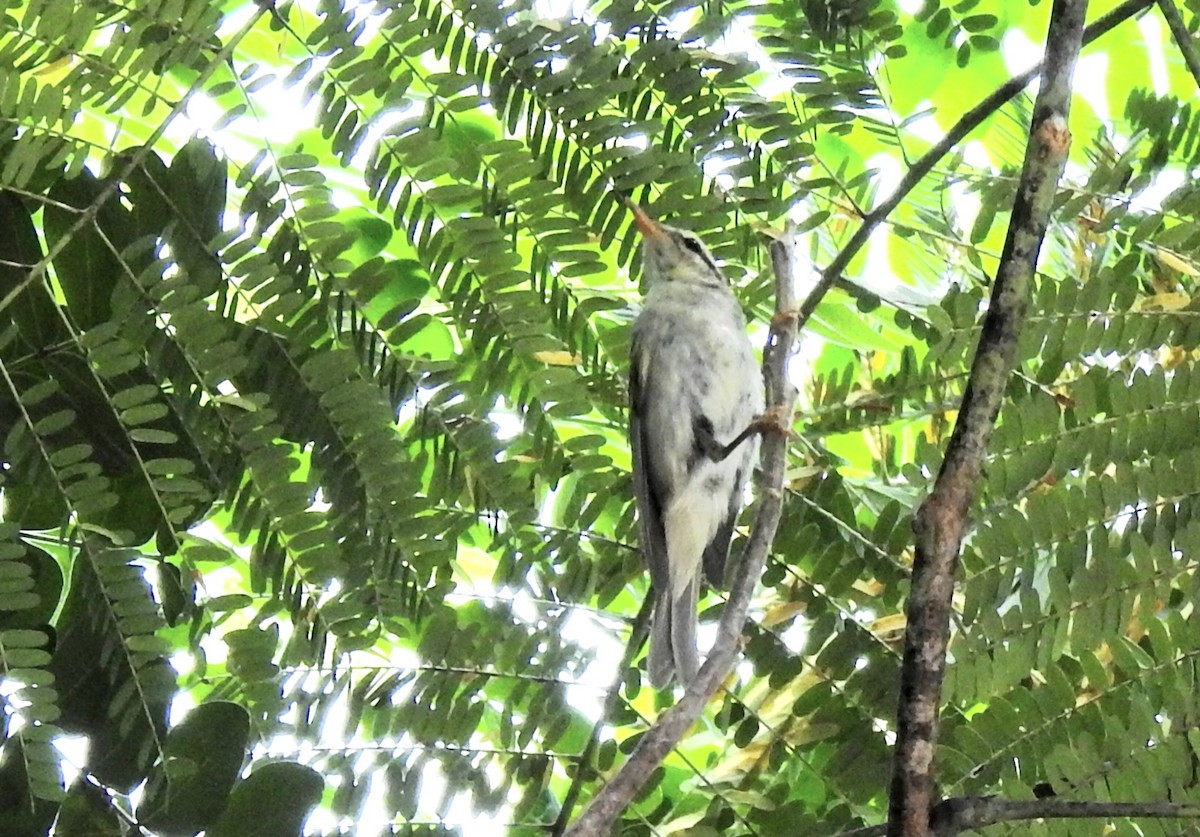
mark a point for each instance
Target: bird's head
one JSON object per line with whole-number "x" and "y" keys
{"x": 670, "y": 254}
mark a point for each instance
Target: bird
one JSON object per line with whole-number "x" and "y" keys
{"x": 695, "y": 393}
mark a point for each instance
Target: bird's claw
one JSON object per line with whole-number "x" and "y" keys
{"x": 773, "y": 420}
{"x": 785, "y": 318}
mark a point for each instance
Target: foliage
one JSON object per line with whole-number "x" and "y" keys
{"x": 312, "y": 362}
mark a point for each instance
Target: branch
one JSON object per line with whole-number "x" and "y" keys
{"x": 1183, "y": 38}
{"x": 661, "y": 738}
{"x": 941, "y": 520}
{"x": 967, "y": 123}
{"x": 953, "y": 816}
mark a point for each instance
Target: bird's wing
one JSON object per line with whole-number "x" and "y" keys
{"x": 716, "y": 554}
{"x": 717, "y": 551}
{"x": 648, "y": 500}
{"x": 661, "y": 659}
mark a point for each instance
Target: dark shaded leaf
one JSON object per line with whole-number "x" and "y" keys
{"x": 204, "y": 754}
{"x": 273, "y": 801}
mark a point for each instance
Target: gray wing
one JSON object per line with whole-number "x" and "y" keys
{"x": 671, "y": 621}
{"x": 647, "y": 497}
{"x": 717, "y": 552}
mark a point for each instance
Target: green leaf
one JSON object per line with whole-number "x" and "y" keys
{"x": 198, "y": 181}
{"x": 189, "y": 790}
{"x": 32, "y": 311}
{"x": 93, "y": 683}
{"x": 844, "y": 325}
{"x": 36, "y": 574}
{"x": 88, "y": 812}
{"x": 273, "y": 801}
{"x": 455, "y": 194}
{"x": 87, "y": 227}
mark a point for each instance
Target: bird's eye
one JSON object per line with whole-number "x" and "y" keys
{"x": 694, "y": 245}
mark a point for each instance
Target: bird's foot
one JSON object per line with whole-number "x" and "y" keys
{"x": 784, "y": 318}
{"x": 773, "y": 420}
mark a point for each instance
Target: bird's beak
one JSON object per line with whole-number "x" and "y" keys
{"x": 645, "y": 224}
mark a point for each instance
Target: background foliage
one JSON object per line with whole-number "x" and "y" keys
{"x": 312, "y": 362}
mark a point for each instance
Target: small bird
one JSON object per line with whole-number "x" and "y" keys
{"x": 695, "y": 393}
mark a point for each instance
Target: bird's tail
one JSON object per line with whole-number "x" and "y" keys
{"x": 673, "y": 637}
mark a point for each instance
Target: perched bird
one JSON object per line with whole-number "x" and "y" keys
{"x": 695, "y": 392}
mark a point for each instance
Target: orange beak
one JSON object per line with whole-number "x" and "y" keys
{"x": 645, "y": 224}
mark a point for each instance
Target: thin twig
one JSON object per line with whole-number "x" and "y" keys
{"x": 941, "y": 521}
{"x": 1183, "y": 38}
{"x": 661, "y": 738}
